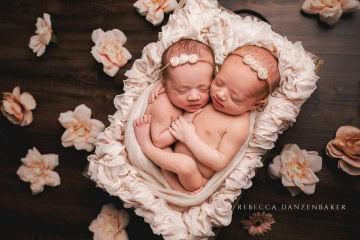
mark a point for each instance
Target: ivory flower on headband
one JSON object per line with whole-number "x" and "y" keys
{"x": 346, "y": 147}
{"x": 110, "y": 224}
{"x": 296, "y": 169}
{"x": 155, "y": 9}
{"x": 81, "y": 131}
{"x": 330, "y": 11}
{"x": 37, "y": 169}
{"x": 109, "y": 50}
{"x": 44, "y": 35}
{"x": 17, "y": 108}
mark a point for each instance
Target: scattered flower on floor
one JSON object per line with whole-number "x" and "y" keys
{"x": 155, "y": 9}
{"x": 109, "y": 50}
{"x": 259, "y": 223}
{"x": 37, "y": 169}
{"x": 110, "y": 224}
{"x": 296, "y": 169}
{"x": 81, "y": 130}
{"x": 330, "y": 11}
{"x": 44, "y": 35}
{"x": 17, "y": 108}
{"x": 346, "y": 147}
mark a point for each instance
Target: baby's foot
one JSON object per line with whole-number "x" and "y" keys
{"x": 142, "y": 131}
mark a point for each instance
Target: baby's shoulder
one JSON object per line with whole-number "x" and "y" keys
{"x": 163, "y": 106}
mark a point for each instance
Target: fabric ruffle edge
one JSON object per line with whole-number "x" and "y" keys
{"x": 224, "y": 32}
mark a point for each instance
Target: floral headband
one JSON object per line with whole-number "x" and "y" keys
{"x": 256, "y": 66}
{"x": 184, "y": 58}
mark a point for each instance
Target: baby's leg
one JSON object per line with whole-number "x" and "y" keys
{"x": 181, "y": 164}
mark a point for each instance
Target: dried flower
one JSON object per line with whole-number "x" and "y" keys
{"x": 17, "y": 108}
{"x": 37, "y": 169}
{"x": 346, "y": 147}
{"x": 155, "y": 9}
{"x": 330, "y": 11}
{"x": 81, "y": 131}
{"x": 109, "y": 50}
{"x": 44, "y": 35}
{"x": 110, "y": 224}
{"x": 296, "y": 169}
{"x": 258, "y": 224}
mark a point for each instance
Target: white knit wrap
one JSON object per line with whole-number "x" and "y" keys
{"x": 224, "y": 32}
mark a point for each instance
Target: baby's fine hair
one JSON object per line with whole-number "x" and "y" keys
{"x": 267, "y": 60}
{"x": 186, "y": 46}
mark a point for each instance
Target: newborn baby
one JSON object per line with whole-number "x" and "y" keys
{"x": 188, "y": 68}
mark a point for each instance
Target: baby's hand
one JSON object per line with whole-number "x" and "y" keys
{"x": 189, "y": 117}
{"x": 157, "y": 90}
{"x": 181, "y": 130}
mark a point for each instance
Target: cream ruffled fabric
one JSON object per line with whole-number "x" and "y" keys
{"x": 201, "y": 19}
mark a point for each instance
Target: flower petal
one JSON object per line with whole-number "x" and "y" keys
{"x": 348, "y": 168}
{"x": 28, "y": 101}
{"x": 294, "y": 191}
{"x": 67, "y": 119}
{"x": 37, "y": 187}
{"x": 331, "y": 15}
{"x": 274, "y": 168}
{"x": 82, "y": 112}
{"x": 52, "y": 179}
{"x": 349, "y": 5}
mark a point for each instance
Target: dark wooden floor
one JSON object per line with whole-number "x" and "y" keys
{"x": 67, "y": 76}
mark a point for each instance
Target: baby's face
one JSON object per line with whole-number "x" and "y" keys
{"x": 234, "y": 89}
{"x": 188, "y": 85}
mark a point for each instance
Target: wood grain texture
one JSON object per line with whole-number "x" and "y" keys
{"x": 67, "y": 76}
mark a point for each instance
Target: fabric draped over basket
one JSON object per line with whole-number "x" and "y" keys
{"x": 109, "y": 166}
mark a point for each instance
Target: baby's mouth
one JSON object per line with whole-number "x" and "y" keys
{"x": 216, "y": 102}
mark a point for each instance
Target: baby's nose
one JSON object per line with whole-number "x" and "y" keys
{"x": 194, "y": 95}
{"x": 221, "y": 95}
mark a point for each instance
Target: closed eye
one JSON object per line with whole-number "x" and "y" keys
{"x": 204, "y": 90}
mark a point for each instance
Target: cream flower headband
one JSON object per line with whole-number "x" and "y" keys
{"x": 184, "y": 58}
{"x": 256, "y": 66}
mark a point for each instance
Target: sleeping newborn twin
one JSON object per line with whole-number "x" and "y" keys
{"x": 206, "y": 136}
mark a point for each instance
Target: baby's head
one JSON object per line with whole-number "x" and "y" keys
{"x": 187, "y": 79}
{"x": 244, "y": 84}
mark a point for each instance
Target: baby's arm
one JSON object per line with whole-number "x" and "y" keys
{"x": 161, "y": 111}
{"x": 216, "y": 159}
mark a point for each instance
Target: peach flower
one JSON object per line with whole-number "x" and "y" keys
{"x": 43, "y": 35}
{"x": 81, "y": 131}
{"x": 330, "y": 11}
{"x": 346, "y": 147}
{"x": 37, "y": 169}
{"x": 109, "y": 50}
{"x": 296, "y": 169}
{"x": 110, "y": 224}
{"x": 155, "y": 9}
{"x": 258, "y": 224}
{"x": 17, "y": 108}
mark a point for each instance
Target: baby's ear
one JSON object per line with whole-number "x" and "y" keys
{"x": 260, "y": 104}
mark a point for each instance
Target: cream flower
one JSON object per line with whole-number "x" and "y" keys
{"x": 110, "y": 224}
{"x": 258, "y": 224}
{"x": 155, "y": 9}
{"x": 43, "y": 35}
{"x": 296, "y": 169}
{"x": 17, "y": 108}
{"x": 330, "y": 11}
{"x": 81, "y": 131}
{"x": 109, "y": 50}
{"x": 37, "y": 169}
{"x": 346, "y": 147}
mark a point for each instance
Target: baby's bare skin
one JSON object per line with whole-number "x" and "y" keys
{"x": 221, "y": 132}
